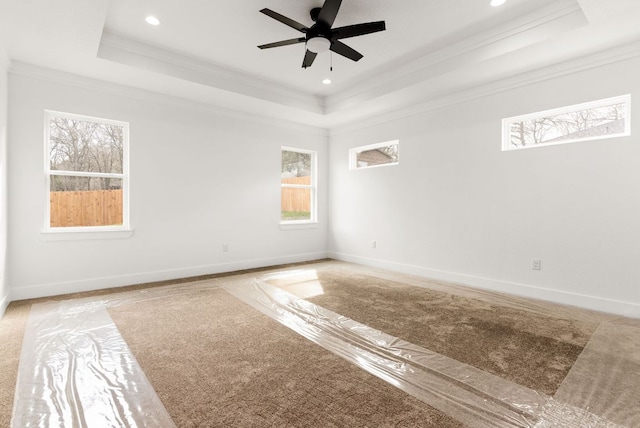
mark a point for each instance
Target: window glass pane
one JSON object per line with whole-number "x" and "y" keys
{"x": 601, "y": 119}
{"x": 78, "y": 145}
{"x": 296, "y": 204}
{"x": 374, "y": 155}
{"x": 379, "y": 156}
{"x": 297, "y": 186}
{"x": 296, "y": 167}
{"x": 85, "y": 201}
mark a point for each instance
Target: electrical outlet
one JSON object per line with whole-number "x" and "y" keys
{"x": 225, "y": 248}
{"x": 374, "y": 244}
{"x": 536, "y": 264}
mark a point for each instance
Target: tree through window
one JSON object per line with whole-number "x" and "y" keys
{"x": 590, "y": 121}
{"x": 86, "y": 172}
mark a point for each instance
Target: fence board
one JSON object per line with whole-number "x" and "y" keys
{"x": 86, "y": 208}
{"x": 104, "y": 207}
{"x": 296, "y": 199}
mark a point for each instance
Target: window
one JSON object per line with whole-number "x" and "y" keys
{"x": 595, "y": 120}
{"x": 298, "y": 186}
{"x": 86, "y": 173}
{"x": 373, "y": 155}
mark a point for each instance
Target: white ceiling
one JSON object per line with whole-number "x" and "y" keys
{"x": 206, "y": 50}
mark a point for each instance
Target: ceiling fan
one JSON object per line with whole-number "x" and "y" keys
{"x": 320, "y": 37}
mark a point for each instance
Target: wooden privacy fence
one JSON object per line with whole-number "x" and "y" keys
{"x": 104, "y": 207}
{"x": 295, "y": 199}
{"x": 86, "y": 208}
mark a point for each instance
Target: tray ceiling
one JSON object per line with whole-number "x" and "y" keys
{"x": 207, "y": 51}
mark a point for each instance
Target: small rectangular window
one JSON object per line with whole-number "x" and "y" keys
{"x": 373, "y": 155}
{"x": 298, "y": 186}
{"x": 86, "y": 173}
{"x": 595, "y": 120}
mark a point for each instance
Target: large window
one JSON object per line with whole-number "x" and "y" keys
{"x": 86, "y": 173}
{"x": 298, "y": 186}
{"x": 589, "y": 121}
{"x": 373, "y": 155}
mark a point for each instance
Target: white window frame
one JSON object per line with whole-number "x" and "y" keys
{"x": 507, "y": 122}
{"x": 353, "y": 154}
{"x": 86, "y": 232}
{"x": 312, "y": 187}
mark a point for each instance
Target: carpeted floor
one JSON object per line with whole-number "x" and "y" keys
{"x": 12, "y": 327}
{"x": 216, "y": 362}
{"x": 529, "y": 349}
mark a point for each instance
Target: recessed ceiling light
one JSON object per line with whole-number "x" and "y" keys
{"x": 496, "y": 3}
{"x": 326, "y": 81}
{"x": 152, "y": 20}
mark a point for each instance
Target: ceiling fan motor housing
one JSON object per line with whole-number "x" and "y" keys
{"x": 318, "y": 37}
{"x": 315, "y": 12}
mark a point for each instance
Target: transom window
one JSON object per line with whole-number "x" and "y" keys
{"x": 298, "y": 186}
{"x": 374, "y": 155}
{"x": 86, "y": 173}
{"x": 595, "y": 120}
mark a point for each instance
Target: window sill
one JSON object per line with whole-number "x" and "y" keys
{"x": 298, "y": 226}
{"x": 85, "y": 235}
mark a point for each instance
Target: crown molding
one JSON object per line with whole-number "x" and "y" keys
{"x": 128, "y": 51}
{"x": 584, "y": 63}
{"x": 72, "y": 80}
{"x": 601, "y": 58}
{"x": 555, "y": 18}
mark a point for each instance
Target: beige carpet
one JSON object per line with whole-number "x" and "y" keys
{"x": 12, "y": 327}
{"x": 216, "y": 362}
{"x": 526, "y": 348}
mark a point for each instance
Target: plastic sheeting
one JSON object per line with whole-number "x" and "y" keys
{"x": 606, "y": 377}
{"x": 474, "y": 397}
{"x": 77, "y": 371}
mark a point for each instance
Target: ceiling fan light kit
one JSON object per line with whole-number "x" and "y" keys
{"x": 320, "y": 37}
{"x": 318, "y": 44}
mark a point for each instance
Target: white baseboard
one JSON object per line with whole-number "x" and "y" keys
{"x": 573, "y": 299}
{"x": 4, "y": 303}
{"x": 91, "y": 284}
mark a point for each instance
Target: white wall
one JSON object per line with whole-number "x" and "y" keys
{"x": 198, "y": 179}
{"x": 4, "y": 288}
{"x": 459, "y": 209}
{"x": 456, "y": 208}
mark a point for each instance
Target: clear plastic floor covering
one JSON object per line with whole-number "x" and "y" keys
{"x": 76, "y": 370}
